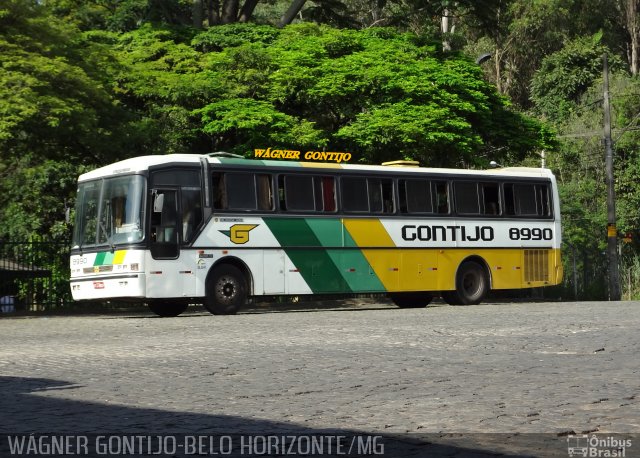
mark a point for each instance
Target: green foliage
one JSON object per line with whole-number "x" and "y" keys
{"x": 219, "y": 38}
{"x": 242, "y": 124}
{"x": 52, "y": 102}
{"x": 565, "y": 76}
{"x": 379, "y": 93}
{"x": 120, "y": 15}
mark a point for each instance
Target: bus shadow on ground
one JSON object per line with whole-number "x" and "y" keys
{"x": 95, "y": 429}
{"x": 196, "y": 310}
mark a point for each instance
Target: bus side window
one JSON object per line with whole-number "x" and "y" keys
{"x": 354, "y": 195}
{"x": 328, "y": 192}
{"x": 441, "y": 193}
{"x": 491, "y": 198}
{"x": 380, "y": 195}
{"x": 265, "y": 192}
{"x": 526, "y": 200}
{"x": 509, "y": 200}
{"x": 388, "y": 204}
{"x": 467, "y": 198}
{"x": 298, "y": 193}
{"x": 219, "y": 192}
{"x": 376, "y": 204}
{"x": 544, "y": 202}
{"x": 416, "y": 196}
{"x": 191, "y": 212}
{"x": 282, "y": 201}
{"x": 241, "y": 191}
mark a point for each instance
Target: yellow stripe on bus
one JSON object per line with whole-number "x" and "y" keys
{"x": 435, "y": 269}
{"x": 321, "y": 165}
{"x": 118, "y": 258}
{"x": 369, "y": 232}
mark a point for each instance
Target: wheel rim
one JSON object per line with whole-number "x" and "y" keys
{"x": 226, "y": 289}
{"x": 472, "y": 283}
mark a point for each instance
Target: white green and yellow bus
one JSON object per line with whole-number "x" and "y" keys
{"x": 220, "y": 230}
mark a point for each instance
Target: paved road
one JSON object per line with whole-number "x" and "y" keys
{"x": 513, "y": 379}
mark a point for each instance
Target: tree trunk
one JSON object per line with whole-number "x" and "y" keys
{"x": 229, "y": 11}
{"x": 247, "y": 10}
{"x": 496, "y": 61}
{"x": 631, "y": 13}
{"x": 292, "y": 12}
{"x": 196, "y": 14}
{"x": 213, "y": 12}
{"x": 445, "y": 22}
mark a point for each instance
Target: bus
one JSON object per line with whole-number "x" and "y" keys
{"x": 221, "y": 230}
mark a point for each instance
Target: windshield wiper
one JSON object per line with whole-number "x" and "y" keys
{"x": 109, "y": 236}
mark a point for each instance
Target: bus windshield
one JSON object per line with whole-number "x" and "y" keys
{"x": 109, "y": 212}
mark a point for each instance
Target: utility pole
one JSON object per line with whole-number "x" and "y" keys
{"x": 612, "y": 231}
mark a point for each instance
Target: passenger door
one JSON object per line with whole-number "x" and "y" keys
{"x": 166, "y": 268}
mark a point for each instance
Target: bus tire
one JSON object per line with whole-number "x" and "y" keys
{"x": 226, "y": 290}
{"x": 411, "y": 300}
{"x": 472, "y": 285}
{"x": 167, "y": 308}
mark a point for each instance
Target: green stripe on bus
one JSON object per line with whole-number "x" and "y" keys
{"x": 238, "y": 161}
{"x": 327, "y": 230}
{"x": 104, "y": 258}
{"x": 316, "y": 266}
{"x": 257, "y": 162}
{"x": 353, "y": 265}
{"x": 99, "y": 258}
{"x": 334, "y": 270}
{"x": 356, "y": 271}
{"x": 285, "y": 163}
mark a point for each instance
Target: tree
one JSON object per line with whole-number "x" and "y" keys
{"x": 379, "y": 93}
{"x": 566, "y": 75}
{"x": 56, "y": 116}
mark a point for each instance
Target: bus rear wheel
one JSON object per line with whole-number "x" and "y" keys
{"x": 167, "y": 308}
{"x": 472, "y": 285}
{"x": 226, "y": 291}
{"x": 411, "y": 300}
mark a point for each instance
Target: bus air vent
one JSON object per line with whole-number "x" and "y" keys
{"x": 225, "y": 154}
{"x": 536, "y": 265}
{"x": 402, "y": 164}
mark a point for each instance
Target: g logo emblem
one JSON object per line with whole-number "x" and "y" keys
{"x": 239, "y": 233}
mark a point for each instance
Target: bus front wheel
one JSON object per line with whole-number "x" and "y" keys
{"x": 226, "y": 291}
{"x": 167, "y": 308}
{"x": 472, "y": 285}
{"x": 411, "y": 300}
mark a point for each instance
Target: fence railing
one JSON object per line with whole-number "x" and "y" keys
{"x": 34, "y": 274}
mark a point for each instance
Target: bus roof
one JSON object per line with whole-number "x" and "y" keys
{"x": 143, "y": 163}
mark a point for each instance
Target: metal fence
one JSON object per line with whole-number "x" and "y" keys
{"x": 34, "y": 275}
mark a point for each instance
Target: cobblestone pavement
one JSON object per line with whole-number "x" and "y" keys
{"x": 494, "y": 379}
